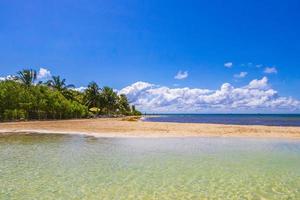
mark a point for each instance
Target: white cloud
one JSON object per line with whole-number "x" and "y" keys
{"x": 43, "y": 73}
{"x": 181, "y": 75}
{"x": 270, "y": 70}
{"x": 241, "y": 75}
{"x": 228, "y": 64}
{"x": 79, "y": 89}
{"x": 257, "y": 96}
{"x": 8, "y": 77}
{"x": 259, "y": 83}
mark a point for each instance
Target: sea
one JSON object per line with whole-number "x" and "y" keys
{"x": 230, "y": 119}
{"x": 57, "y": 166}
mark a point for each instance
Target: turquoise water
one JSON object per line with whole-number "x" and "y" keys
{"x": 80, "y": 167}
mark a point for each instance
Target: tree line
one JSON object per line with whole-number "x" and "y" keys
{"x": 23, "y": 98}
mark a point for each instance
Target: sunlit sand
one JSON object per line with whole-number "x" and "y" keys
{"x": 119, "y": 127}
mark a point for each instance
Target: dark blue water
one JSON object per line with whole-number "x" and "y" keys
{"x": 234, "y": 119}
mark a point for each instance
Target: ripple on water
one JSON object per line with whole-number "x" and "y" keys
{"x": 78, "y": 167}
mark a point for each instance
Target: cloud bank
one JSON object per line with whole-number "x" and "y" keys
{"x": 257, "y": 96}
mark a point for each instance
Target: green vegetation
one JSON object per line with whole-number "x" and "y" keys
{"x": 21, "y": 98}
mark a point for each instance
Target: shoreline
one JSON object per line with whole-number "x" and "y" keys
{"x": 122, "y": 127}
{"x": 141, "y": 136}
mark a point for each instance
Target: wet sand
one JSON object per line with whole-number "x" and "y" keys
{"x": 120, "y": 127}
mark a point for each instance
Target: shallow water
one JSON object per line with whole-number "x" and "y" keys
{"x": 80, "y": 167}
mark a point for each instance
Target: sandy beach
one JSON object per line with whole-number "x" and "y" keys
{"x": 120, "y": 127}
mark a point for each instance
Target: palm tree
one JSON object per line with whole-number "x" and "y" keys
{"x": 92, "y": 95}
{"x": 27, "y": 76}
{"x": 60, "y": 85}
{"x": 134, "y": 111}
{"x": 110, "y": 99}
{"x": 123, "y": 104}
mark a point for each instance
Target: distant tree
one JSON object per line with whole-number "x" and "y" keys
{"x": 59, "y": 84}
{"x": 133, "y": 108}
{"x": 92, "y": 95}
{"x": 109, "y": 99}
{"x": 36, "y": 102}
{"x": 123, "y": 105}
{"x": 54, "y": 100}
{"x": 27, "y": 76}
{"x": 134, "y": 111}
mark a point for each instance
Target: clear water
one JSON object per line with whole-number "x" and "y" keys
{"x": 80, "y": 167}
{"x": 237, "y": 119}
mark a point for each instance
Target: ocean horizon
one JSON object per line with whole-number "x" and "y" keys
{"x": 229, "y": 119}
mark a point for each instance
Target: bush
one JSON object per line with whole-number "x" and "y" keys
{"x": 18, "y": 102}
{"x": 15, "y": 114}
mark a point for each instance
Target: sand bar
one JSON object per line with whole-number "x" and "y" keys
{"x": 118, "y": 127}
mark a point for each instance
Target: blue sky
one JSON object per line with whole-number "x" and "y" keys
{"x": 118, "y": 43}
